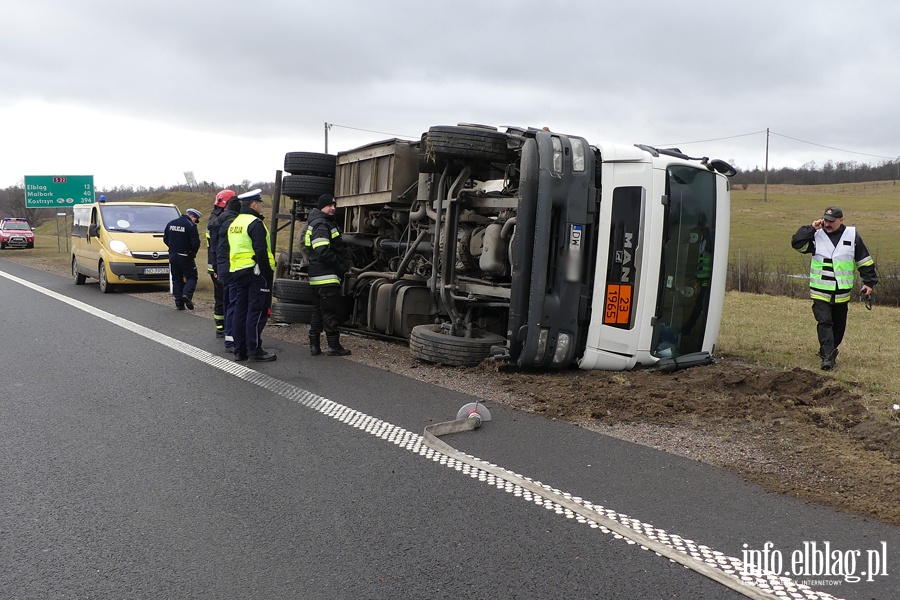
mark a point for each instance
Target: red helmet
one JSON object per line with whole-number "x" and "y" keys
{"x": 223, "y": 197}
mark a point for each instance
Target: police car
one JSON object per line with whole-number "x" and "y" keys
{"x": 15, "y": 233}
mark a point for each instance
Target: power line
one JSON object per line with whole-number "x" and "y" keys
{"x": 832, "y": 148}
{"x": 400, "y": 135}
{"x": 891, "y": 158}
{"x": 730, "y": 137}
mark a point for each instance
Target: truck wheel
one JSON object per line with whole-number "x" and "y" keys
{"x": 310, "y": 163}
{"x": 105, "y": 286}
{"x": 79, "y": 278}
{"x": 293, "y": 290}
{"x": 286, "y": 312}
{"x": 466, "y": 142}
{"x": 306, "y": 186}
{"x": 430, "y": 343}
{"x": 282, "y": 268}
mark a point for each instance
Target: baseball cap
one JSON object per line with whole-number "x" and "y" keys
{"x": 832, "y": 213}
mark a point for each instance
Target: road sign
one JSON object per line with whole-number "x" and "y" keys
{"x": 58, "y": 191}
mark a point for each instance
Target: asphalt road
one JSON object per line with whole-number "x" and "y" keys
{"x": 138, "y": 461}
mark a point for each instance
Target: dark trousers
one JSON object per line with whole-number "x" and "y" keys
{"x": 229, "y": 295}
{"x": 218, "y": 302}
{"x": 327, "y": 304}
{"x": 831, "y": 322}
{"x": 253, "y": 296}
{"x": 183, "y": 271}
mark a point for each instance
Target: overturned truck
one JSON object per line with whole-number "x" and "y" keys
{"x": 525, "y": 244}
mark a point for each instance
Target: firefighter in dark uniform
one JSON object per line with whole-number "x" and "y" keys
{"x": 183, "y": 240}
{"x": 327, "y": 265}
{"x": 252, "y": 268}
{"x": 212, "y": 230}
{"x": 223, "y": 266}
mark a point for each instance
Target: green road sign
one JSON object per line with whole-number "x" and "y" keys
{"x": 58, "y": 191}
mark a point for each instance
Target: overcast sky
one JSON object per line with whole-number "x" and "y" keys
{"x": 136, "y": 92}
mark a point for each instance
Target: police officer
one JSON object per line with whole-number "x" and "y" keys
{"x": 837, "y": 252}
{"x": 223, "y": 267}
{"x": 181, "y": 236}
{"x": 212, "y": 231}
{"x": 252, "y": 267}
{"x": 327, "y": 266}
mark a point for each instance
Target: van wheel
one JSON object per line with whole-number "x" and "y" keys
{"x": 79, "y": 278}
{"x": 105, "y": 286}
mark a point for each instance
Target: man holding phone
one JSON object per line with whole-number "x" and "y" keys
{"x": 837, "y": 251}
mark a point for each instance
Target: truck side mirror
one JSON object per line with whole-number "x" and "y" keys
{"x": 94, "y": 230}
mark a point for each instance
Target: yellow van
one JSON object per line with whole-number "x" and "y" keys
{"x": 121, "y": 243}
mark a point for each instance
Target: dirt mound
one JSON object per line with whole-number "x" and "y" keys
{"x": 800, "y": 433}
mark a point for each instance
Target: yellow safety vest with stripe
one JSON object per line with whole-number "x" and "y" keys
{"x": 323, "y": 276}
{"x": 241, "y": 254}
{"x": 831, "y": 270}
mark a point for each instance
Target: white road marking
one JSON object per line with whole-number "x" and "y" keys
{"x": 765, "y": 585}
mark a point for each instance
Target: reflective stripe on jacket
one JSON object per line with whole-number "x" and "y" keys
{"x": 831, "y": 270}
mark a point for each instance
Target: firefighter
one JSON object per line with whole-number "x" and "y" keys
{"x": 183, "y": 240}
{"x": 223, "y": 266}
{"x": 322, "y": 240}
{"x": 837, "y": 251}
{"x": 252, "y": 268}
{"x": 212, "y": 231}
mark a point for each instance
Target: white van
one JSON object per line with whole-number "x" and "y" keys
{"x": 121, "y": 243}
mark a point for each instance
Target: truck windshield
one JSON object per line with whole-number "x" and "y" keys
{"x": 135, "y": 218}
{"x": 687, "y": 258}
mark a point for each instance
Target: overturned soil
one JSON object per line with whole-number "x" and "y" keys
{"x": 791, "y": 431}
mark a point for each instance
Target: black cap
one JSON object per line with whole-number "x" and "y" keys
{"x": 833, "y": 213}
{"x": 325, "y": 200}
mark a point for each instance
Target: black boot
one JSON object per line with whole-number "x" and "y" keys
{"x": 315, "y": 347}
{"x": 334, "y": 345}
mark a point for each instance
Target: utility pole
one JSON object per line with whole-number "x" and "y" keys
{"x": 766, "y": 176}
{"x": 327, "y": 127}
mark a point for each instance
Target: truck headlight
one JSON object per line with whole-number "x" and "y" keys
{"x": 119, "y": 247}
{"x": 557, "y": 155}
{"x": 541, "y": 346}
{"x": 564, "y": 340}
{"x": 578, "y": 156}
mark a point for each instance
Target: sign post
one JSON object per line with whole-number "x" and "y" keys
{"x": 58, "y": 191}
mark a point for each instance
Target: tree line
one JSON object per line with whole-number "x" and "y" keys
{"x": 829, "y": 173}
{"x": 12, "y": 199}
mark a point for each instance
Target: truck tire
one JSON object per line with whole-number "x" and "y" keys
{"x": 282, "y": 268}
{"x": 306, "y": 186}
{"x": 473, "y": 143}
{"x": 293, "y": 291}
{"x": 430, "y": 343}
{"x": 286, "y": 312}
{"x": 310, "y": 163}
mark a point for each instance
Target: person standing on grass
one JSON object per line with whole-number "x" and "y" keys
{"x": 837, "y": 251}
{"x": 183, "y": 241}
